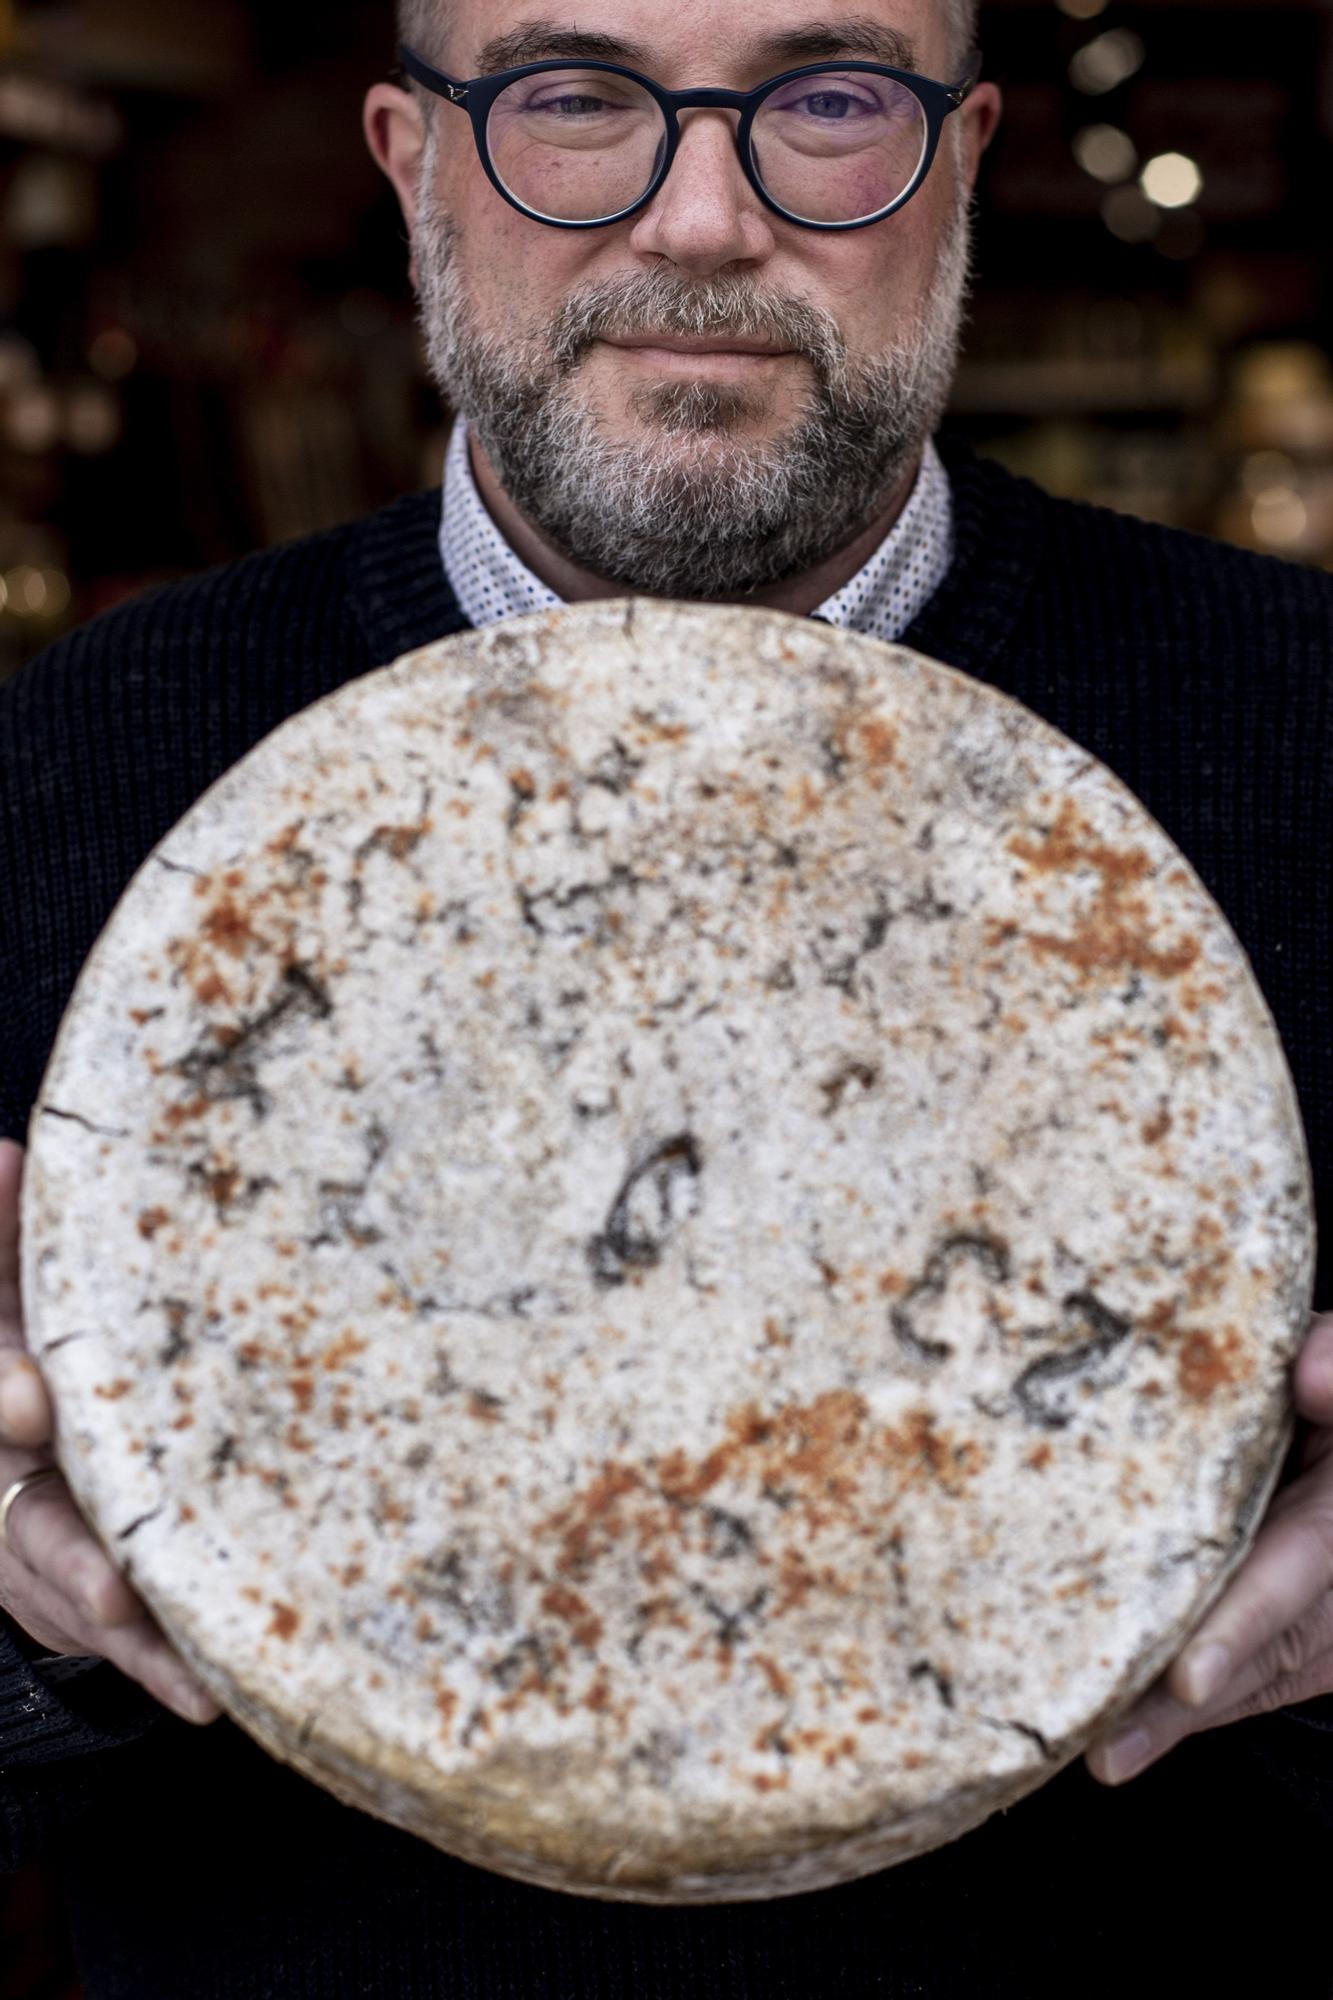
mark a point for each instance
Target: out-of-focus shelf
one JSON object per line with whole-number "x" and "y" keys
{"x": 1084, "y": 388}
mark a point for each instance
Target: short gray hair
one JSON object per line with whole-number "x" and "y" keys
{"x": 961, "y": 16}
{"x": 422, "y": 24}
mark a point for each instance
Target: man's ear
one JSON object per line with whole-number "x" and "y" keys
{"x": 396, "y": 135}
{"x": 980, "y": 118}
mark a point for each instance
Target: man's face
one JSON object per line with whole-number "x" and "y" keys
{"x": 703, "y": 398}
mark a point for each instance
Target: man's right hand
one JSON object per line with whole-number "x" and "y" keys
{"x": 56, "y": 1580}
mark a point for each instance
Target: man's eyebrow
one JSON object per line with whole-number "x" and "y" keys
{"x": 815, "y": 41}
{"x": 858, "y": 36}
{"x": 539, "y": 41}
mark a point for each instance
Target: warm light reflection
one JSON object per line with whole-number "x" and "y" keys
{"x": 114, "y": 354}
{"x": 32, "y": 420}
{"x": 1280, "y": 518}
{"x": 1082, "y": 10}
{"x": 92, "y": 419}
{"x": 1263, "y": 471}
{"x": 1105, "y": 152}
{"x": 1106, "y": 62}
{"x": 1130, "y": 216}
{"x": 1172, "y": 180}
{"x": 29, "y": 592}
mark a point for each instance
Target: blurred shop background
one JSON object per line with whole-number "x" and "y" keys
{"x": 207, "y": 343}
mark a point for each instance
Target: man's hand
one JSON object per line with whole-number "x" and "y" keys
{"x": 55, "y": 1580}
{"x": 1268, "y": 1641}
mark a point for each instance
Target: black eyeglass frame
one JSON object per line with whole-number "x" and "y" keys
{"x": 476, "y": 97}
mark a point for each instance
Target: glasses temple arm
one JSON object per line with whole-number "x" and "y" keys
{"x": 430, "y": 78}
{"x": 969, "y": 79}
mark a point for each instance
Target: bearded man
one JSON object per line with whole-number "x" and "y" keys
{"x": 693, "y": 278}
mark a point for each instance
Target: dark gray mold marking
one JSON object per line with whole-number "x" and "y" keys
{"x": 1179, "y": 1557}
{"x": 181, "y": 1336}
{"x": 1022, "y": 1729}
{"x": 656, "y": 1198}
{"x": 659, "y": 1754}
{"x": 730, "y": 1625}
{"x": 987, "y": 1252}
{"x": 390, "y": 840}
{"x": 74, "y": 1118}
{"x": 927, "y": 1670}
{"x": 142, "y": 1522}
{"x": 340, "y": 1200}
{"x": 929, "y": 908}
{"x": 455, "y": 1580}
{"x": 178, "y": 1318}
{"x": 65, "y": 1340}
{"x": 1052, "y": 1389}
{"x": 616, "y": 769}
{"x": 203, "y": 1179}
{"x": 582, "y": 911}
{"x": 864, "y": 1075}
{"x": 227, "y": 1074}
{"x": 727, "y": 1535}
{"x": 838, "y": 958}
{"x": 222, "y": 1455}
{"x": 527, "y": 1655}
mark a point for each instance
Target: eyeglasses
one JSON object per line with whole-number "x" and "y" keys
{"x": 581, "y": 145}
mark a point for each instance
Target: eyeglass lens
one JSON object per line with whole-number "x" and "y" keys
{"x": 580, "y": 145}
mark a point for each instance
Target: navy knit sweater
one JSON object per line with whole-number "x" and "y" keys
{"x": 196, "y": 1866}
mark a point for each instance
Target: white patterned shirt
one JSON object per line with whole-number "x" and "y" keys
{"x": 490, "y": 580}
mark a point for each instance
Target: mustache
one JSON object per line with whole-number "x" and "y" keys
{"x": 641, "y": 304}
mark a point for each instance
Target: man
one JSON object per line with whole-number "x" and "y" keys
{"x": 691, "y": 391}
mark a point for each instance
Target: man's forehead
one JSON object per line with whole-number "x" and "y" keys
{"x": 738, "y": 35}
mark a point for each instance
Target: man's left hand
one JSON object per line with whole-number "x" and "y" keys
{"x": 1268, "y": 1641}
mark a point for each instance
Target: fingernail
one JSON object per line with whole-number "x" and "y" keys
{"x": 90, "y": 1602}
{"x": 1203, "y": 1671}
{"x": 1128, "y": 1754}
{"x": 19, "y": 1391}
{"x": 192, "y": 1704}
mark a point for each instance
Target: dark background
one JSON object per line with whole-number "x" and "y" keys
{"x": 206, "y": 338}
{"x": 207, "y": 342}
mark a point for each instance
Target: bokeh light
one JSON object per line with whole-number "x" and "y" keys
{"x": 1106, "y": 153}
{"x": 114, "y": 354}
{"x": 1106, "y": 62}
{"x": 1172, "y": 180}
{"x": 1130, "y": 216}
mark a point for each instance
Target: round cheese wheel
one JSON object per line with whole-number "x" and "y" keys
{"x": 669, "y": 1243}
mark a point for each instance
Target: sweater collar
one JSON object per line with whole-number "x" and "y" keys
{"x": 402, "y": 600}
{"x": 999, "y": 537}
{"x": 398, "y": 591}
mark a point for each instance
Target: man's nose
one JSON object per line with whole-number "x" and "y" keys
{"x": 705, "y": 215}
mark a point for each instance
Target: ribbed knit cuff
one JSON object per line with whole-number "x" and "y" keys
{"x": 51, "y": 1718}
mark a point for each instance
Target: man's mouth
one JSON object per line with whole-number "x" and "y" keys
{"x": 732, "y": 358}
{"x": 684, "y": 343}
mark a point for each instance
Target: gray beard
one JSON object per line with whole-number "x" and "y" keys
{"x": 693, "y": 511}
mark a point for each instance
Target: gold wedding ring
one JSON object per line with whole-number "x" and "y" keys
{"x": 11, "y": 1495}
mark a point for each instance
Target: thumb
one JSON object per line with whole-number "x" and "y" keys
{"x": 25, "y": 1407}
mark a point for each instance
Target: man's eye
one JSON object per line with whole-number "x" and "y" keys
{"x": 828, "y": 101}
{"x": 829, "y": 104}
{"x": 570, "y": 106}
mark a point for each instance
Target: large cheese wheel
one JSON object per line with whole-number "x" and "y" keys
{"x": 669, "y": 1243}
